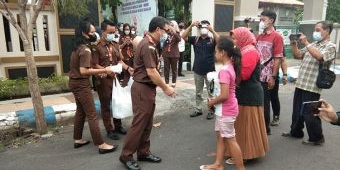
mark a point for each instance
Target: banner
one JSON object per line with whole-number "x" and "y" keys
{"x": 137, "y": 13}
{"x": 285, "y": 32}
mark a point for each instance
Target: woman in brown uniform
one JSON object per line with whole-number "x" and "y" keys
{"x": 170, "y": 53}
{"x": 79, "y": 83}
{"x": 127, "y": 52}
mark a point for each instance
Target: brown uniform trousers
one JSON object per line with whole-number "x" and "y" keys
{"x": 81, "y": 88}
{"x": 170, "y": 62}
{"x": 104, "y": 90}
{"x": 143, "y": 105}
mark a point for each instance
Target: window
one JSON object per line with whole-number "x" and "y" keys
{"x": 46, "y": 35}
{"x": 21, "y": 43}
{"x": 224, "y": 17}
{"x": 7, "y": 35}
{"x": 35, "y": 38}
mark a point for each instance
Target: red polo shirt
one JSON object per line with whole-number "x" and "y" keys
{"x": 269, "y": 44}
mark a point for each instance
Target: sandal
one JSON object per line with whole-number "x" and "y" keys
{"x": 205, "y": 167}
{"x": 230, "y": 161}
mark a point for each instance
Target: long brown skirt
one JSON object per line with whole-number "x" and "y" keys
{"x": 251, "y": 132}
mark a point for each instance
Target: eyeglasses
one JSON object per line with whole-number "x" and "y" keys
{"x": 167, "y": 31}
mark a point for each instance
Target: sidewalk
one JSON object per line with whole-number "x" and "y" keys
{"x": 60, "y": 108}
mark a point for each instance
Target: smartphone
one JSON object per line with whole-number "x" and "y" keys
{"x": 295, "y": 37}
{"x": 310, "y": 108}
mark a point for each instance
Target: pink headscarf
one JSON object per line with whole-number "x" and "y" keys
{"x": 243, "y": 37}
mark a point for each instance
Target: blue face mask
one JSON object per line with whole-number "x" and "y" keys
{"x": 317, "y": 36}
{"x": 110, "y": 37}
{"x": 163, "y": 39}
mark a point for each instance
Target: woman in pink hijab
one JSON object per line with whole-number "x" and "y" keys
{"x": 250, "y": 128}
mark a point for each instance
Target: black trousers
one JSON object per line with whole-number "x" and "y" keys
{"x": 180, "y": 62}
{"x": 266, "y": 104}
{"x": 274, "y": 99}
{"x": 313, "y": 123}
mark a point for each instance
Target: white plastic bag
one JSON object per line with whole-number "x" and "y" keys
{"x": 117, "y": 68}
{"x": 121, "y": 100}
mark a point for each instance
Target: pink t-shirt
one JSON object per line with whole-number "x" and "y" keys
{"x": 227, "y": 76}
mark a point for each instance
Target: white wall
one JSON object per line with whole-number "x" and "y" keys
{"x": 335, "y": 37}
{"x": 201, "y": 10}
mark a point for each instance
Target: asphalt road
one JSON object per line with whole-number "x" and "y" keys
{"x": 184, "y": 143}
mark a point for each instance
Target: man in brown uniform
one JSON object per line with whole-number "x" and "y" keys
{"x": 143, "y": 92}
{"x": 107, "y": 54}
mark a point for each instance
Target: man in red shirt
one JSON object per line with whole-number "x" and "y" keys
{"x": 270, "y": 46}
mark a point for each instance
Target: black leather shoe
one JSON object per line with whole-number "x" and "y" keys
{"x": 130, "y": 165}
{"x": 78, "y": 145}
{"x": 181, "y": 75}
{"x": 314, "y": 143}
{"x": 150, "y": 158}
{"x": 104, "y": 151}
{"x": 121, "y": 130}
{"x": 113, "y": 135}
{"x": 195, "y": 114}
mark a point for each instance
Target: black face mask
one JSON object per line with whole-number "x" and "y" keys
{"x": 92, "y": 38}
{"x": 181, "y": 26}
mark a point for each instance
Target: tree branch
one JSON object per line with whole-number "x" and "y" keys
{"x": 35, "y": 9}
{"x": 10, "y": 17}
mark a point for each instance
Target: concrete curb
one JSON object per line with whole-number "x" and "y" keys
{"x": 53, "y": 115}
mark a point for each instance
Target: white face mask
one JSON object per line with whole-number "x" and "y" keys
{"x": 110, "y": 37}
{"x": 133, "y": 32}
{"x": 204, "y": 31}
{"x": 262, "y": 26}
{"x": 317, "y": 36}
{"x": 127, "y": 32}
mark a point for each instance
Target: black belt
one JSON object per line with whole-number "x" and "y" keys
{"x": 147, "y": 83}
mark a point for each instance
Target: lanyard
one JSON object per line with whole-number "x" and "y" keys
{"x": 109, "y": 49}
{"x": 170, "y": 39}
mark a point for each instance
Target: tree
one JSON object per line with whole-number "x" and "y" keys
{"x": 180, "y": 7}
{"x": 24, "y": 29}
{"x": 113, "y": 4}
{"x": 333, "y": 11}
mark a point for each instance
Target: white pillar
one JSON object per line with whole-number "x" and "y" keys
{"x": 245, "y": 9}
{"x": 313, "y": 11}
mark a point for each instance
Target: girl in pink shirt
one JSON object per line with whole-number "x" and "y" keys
{"x": 226, "y": 104}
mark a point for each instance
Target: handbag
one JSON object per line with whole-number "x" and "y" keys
{"x": 325, "y": 77}
{"x": 121, "y": 100}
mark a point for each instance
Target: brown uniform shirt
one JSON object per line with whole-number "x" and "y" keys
{"x": 170, "y": 47}
{"x": 102, "y": 56}
{"x": 146, "y": 57}
{"x": 81, "y": 57}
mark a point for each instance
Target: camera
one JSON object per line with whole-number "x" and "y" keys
{"x": 295, "y": 37}
{"x": 202, "y": 25}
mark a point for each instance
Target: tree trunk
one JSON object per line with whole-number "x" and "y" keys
{"x": 33, "y": 81}
{"x": 186, "y": 12}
